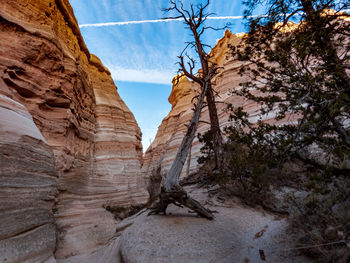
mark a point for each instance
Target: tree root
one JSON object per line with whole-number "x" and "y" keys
{"x": 179, "y": 197}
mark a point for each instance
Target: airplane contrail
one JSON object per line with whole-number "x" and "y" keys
{"x": 152, "y": 21}
{"x": 166, "y": 20}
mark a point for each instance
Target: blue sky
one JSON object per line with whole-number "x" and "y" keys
{"x": 142, "y": 56}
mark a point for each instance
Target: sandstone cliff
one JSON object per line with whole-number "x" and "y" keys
{"x": 172, "y": 129}
{"x": 68, "y": 143}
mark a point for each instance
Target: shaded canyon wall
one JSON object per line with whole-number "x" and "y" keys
{"x": 68, "y": 143}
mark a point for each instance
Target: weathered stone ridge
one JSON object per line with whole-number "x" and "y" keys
{"x": 170, "y": 133}
{"x": 70, "y": 132}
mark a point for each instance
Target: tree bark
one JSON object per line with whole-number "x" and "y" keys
{"x": 188, "y": 162}
{"x": 215, "y": 129}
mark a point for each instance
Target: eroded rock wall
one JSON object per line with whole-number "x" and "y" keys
{"x": 173, "y": 127}
{"x": 28, "y": 186}
{"x": 84, "y": 133}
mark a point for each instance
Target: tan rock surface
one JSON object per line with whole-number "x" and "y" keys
{"x": 236, "y": 235}
{"x": 173, "y": 127}
{"x": 28, "y": 186}
{"x": 70, "y": 96}
{"x": 170, "y": 133}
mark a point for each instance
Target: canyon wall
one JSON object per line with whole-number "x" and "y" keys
{"x": 173, "y": 127}
{"x": 28, "y": 186}
{"x": 163, "y": 149}
{"x": 68, "y": 143}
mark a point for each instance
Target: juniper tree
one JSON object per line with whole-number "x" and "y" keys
{"x": 300, "y": 74}
{"x": 297, "y": 57}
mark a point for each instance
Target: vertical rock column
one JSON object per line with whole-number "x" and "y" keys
{"x": 118, "y": 149}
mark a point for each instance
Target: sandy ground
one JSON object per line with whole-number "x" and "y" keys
{"x": 238, "y": 234}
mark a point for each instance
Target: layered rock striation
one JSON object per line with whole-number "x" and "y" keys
{"x": 68, "y": 144}
{"x": 28, "y": 187}
{"x": 163, "y": 149}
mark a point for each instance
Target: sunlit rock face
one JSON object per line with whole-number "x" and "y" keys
{"x": 170, "y": 133}
{"x": 71, "y": 136}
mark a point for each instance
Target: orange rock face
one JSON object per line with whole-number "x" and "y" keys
{"x": 173, "y": 127}
{"x": 63, "y": 113}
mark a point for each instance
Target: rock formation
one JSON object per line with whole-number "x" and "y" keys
{"x": 70, "y": 146}
{"x": 28, "y": 186}
{"x": 163, "y": 149}
{"x": 68, "y": 143}
{"x": 172, "y": 129}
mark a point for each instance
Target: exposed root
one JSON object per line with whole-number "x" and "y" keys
{"x": 179, "y": 198}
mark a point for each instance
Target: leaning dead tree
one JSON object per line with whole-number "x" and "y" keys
{"x": 172, "y": 192}
{"x": 194, "y": 19}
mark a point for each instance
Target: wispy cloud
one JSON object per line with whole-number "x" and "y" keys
{"x": 142, "y": 75}
{"x": 153, "y": 21}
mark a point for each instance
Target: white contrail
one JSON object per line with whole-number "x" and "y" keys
{"x": 128, "y": 23}
{"x": 167, "y": 20}
{"x": 152, "y": 21}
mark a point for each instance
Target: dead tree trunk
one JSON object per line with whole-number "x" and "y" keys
{"x": 195, "y": 18}
{"x": 215, "y": 129}
{"x": 188, "y": 162}
{"x": 172, "y": 179}
{"x": 209, "y": 72}
{"x": 172, "y": 192}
